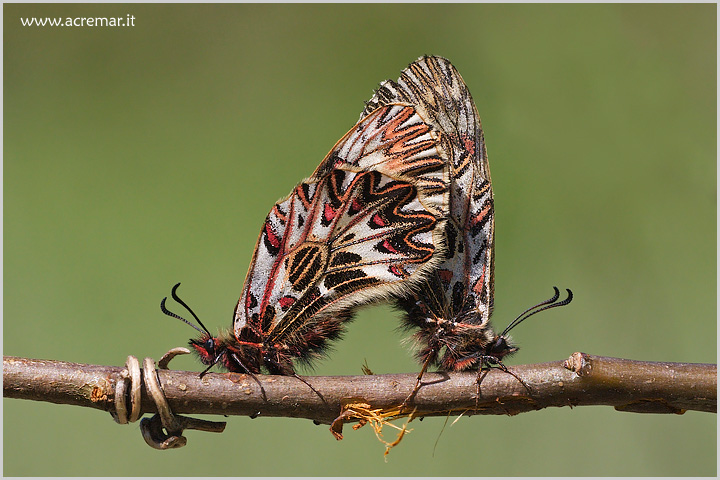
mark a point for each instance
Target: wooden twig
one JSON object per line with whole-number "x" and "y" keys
{"x": 627, "y": 385}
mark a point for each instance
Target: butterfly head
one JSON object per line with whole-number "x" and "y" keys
{"x": 474, "y": 345}
{"x": 228, "y": 352}
{"x": 500, "y": 346}
{"x": 211, "y": 350}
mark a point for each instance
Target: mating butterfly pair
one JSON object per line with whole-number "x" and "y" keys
{"x": 401, "y": 210}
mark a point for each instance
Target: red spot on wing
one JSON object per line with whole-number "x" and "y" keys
{"x": 398, "y": 271}
{"x": 480, "y": 216}
{"x": 469, "y": 144}
{"x": 478, "y": 287}
{"x": 285, "y": 302}
{"x": 271, "y": 236}
{"x": 387, "y": 246}
{"x": 378, "y": 221}
{"x": 355, "y": 206}
{"x": 329, "y": 213}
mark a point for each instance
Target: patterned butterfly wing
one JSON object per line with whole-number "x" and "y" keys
{"x": 396, "y": 140}
{"x": 365, "y": 226}
{"x": 464, "y": 283}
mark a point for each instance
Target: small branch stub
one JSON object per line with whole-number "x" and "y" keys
{"x": 661, "y": 387}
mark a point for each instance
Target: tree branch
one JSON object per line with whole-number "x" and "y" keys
{"x": 627, "y": 385}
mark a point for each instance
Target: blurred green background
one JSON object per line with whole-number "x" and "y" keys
{"x": 138, "y": 157}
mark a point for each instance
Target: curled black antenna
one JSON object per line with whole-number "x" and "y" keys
{"x": 208, "y": 343}
{"x": 178, "y": 300}
{"x": 175, "y": 315}
{"x": 549, "y": 303}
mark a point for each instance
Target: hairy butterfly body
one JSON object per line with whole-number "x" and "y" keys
{"x": 452, "y": 306}
{"x": 367, "y": 225}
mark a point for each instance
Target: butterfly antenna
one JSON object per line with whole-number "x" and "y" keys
{"x": 178, "y": 300}
{"x": 175, "y": 315}
{"x": 549, "y": 303}
{"x": 541, "y": 304}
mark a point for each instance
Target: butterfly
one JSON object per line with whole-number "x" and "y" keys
{"x": 366, "y": 225}
{"x": 451, "y": 308}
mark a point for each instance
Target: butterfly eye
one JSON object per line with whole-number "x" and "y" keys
{"x": 209, "y": 346}
{"x": 499, "y": 346}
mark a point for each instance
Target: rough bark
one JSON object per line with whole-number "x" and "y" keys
{"x": 627, "y": 385}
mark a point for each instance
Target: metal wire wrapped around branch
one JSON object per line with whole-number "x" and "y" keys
{"x": 164, "y": 430}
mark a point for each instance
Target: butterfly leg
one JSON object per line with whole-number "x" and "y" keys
{"x": 217, "y": 359}
{"x": 252, "y": 375}
{"x": 489, "y": 362}
{"x": 311, "y": 387}
{"x": 278, "y": 364}
{"x": 418, "y": 383}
